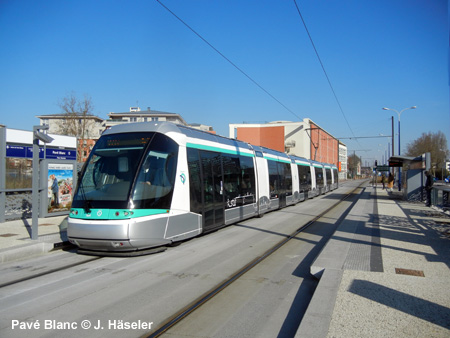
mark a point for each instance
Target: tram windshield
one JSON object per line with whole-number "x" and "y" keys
{"x": 110, "y": 171}
{"x": 129, "y": 170}
{"x": 156, "y": 178}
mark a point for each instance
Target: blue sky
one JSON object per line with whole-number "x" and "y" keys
{"x": 384, "y": 53}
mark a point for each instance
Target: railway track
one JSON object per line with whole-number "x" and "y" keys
{"x": 184, "y": 313}
{"x": 174, "y": 289}
{"x": 19, "y": 272}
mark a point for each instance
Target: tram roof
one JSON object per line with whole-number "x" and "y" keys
{"x": 165, "y": 127}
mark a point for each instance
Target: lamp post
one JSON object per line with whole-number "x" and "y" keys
{"x": 399, "y": 151}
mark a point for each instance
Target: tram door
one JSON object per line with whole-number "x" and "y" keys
{"x": 212, "y": 184}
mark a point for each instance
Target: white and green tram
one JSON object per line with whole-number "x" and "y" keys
{"x": 148, "y": 185}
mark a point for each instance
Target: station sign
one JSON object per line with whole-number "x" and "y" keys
{"x": 382, "y": 168}
{"x": 60, "y": 154}
{"x": 20, "y": 151}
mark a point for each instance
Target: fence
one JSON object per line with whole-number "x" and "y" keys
{"x": 440, "y": 196}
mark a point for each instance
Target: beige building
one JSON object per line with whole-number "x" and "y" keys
{"x": 63, "y": 124}
{"x": 343, "y": 158}
{"x": 137, "y": 115}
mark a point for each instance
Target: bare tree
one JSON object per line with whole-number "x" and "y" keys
{"x": 352, "y": 164}
{"x": 76, "y": 111}
{"x": 434, "y": 143}
{"x": 76, "y": 119}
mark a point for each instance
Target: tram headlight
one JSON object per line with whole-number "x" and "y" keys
{"x": 124, "y": 213}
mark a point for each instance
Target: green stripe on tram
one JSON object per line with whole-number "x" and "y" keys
{"x": 277, "y": 159}
{"x": 114, "y": 214}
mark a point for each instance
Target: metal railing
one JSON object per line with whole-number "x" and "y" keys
{"x": 440, "y": 196}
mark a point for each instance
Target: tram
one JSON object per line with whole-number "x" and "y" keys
{"x": 151, "y": 184}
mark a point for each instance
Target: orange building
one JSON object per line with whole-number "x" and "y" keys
{"x": 324, "y": 147}
{"x": 304, "y": 139}
{"x": 269, "y": 137}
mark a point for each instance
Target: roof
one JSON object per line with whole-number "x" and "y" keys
{"x": 61, "y": 116}
{"x": 165, "y": 127}
{"x": 147, "y": 113}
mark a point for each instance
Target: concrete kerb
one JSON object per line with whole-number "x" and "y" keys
{"x": 328, "y": 267}
{"x": 54, "y": 235}
{"x": 24, "y": 251}
{"x": 316, "y": 320}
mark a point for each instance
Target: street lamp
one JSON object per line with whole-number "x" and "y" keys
{"x": 399, "y": 152}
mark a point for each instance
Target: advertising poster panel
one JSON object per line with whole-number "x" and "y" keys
{"x": 60, "y": 186}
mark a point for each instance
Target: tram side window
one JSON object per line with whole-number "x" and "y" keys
{"x": 239, "y": 180}
{"x": 304, "y": 174}
{"x": 319, "y": 176}
{"x": 286, "y": 177}
{"x": 274, "y": 180}
{"x": 335, "y": 175}
{"x": 195, "y": 180}
{"x": 328, "y": 171}
{"x": 247, "y": 177}
{"x": 231, "y": 177}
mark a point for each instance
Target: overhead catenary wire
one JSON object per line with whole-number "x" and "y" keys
{"x": 229, "y": 61}
{"x": 323, "y": 68}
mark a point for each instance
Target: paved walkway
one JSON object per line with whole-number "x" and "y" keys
{"x": 384, "y": 273}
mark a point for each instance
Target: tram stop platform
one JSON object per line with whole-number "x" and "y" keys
{"x": 16, "y": 242}
{"x": 384, "y": 273}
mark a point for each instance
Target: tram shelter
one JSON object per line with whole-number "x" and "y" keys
{"x": 413, "y": 176}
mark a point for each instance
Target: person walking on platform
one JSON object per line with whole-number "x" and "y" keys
{"x": 390, "y": 182}
{"x": 428, "y": 187}
{"x": 383, "y": 180}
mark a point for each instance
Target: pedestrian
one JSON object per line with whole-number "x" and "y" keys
{"x": 428, "y": 187}
{"x": 390, "y": 182}
{"x": 383, "y": 180}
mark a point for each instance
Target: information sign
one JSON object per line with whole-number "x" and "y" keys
{"x": 383, "y": 168}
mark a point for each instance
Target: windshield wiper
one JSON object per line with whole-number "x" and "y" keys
{"x": 87, "y": 206}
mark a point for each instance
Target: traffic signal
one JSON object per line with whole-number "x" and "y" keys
{"x": 376, "y": 163}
